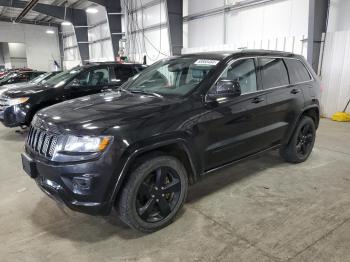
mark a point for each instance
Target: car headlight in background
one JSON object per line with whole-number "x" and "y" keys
{"x": 17, "y": 101}
{"x": 86, "y": 144}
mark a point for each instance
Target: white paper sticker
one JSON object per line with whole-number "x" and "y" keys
{"x": 206, "y": 62}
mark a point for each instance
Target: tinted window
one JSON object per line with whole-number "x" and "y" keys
{"x": 243, "y": 72}
{"x": 274, "y": 72}
{"x": 96, "y": 77}
{"x": 297, "y": 71}
{"x": 123, "y": 72}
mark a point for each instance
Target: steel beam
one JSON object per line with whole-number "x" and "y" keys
{"x": 114, "y": 13}
{"x": 175, "y": 25}
{"x": 318, "y": 13}
{"x": 25, "y": 10}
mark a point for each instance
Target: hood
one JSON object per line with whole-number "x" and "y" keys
{"x": 96, "y": 113}
{"x": 25, "y": 90}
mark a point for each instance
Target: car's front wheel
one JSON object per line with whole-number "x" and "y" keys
{"x": 302, "y": 142}
{"x": 155, "y": 191}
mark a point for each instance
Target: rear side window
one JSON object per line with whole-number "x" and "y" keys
{"x": 274, "y": 72}
{"x": 123, "y": 72}
{"x": 297, "y": 71}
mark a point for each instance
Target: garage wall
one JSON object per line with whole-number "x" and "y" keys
{"x": 40, "y": 54}
{"x": 100, "y": 48}
{"x": 335, "y": 71}
{"x": 249, "y": 27}
{"x": 147, "y": 31}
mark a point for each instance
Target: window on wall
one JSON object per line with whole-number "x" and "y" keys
{"x": 297, "y": 71}
{"x": 274, "y": 72}
{"x": 243, "y": 71}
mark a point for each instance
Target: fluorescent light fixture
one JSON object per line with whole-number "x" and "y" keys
{"x": 50, "y": 31}
{"x": 66, "y": 23}
{"x": 91, "y": 10}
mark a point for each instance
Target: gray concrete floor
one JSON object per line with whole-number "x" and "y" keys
{"x": 259, "y": 210}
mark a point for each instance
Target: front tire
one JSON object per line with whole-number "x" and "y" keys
{"x": 155, "y": 191}
{"x": 302, "y": 142}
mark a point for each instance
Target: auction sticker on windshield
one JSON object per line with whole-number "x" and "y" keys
{"x": 208, "y": 62}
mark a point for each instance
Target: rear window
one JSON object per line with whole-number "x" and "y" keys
{"x": 297, "y": 71}
{"x": 274, "y": 72}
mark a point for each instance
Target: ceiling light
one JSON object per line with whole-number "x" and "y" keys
{"x": 91, "y": 10}
{"x": 66, "y": 23}
{"x": 50, "y": 31}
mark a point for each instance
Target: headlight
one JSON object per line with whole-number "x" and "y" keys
{"x": 17, "y": 101}
{"x": 86, "y": 144}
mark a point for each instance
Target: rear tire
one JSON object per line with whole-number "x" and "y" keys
{"x": 155, "y": 191}
{"x": 302, "y": 142}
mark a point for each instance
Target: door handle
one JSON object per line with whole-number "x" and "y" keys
{"x": 295, "y": 91}
{"x": 257, "y": 100}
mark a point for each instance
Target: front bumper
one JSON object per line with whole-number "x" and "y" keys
{"x": 13, "y": 116}
{"x": 59, "y": 182}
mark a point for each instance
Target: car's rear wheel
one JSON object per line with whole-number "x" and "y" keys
{"x": 302, "y": 142}
{"x": 154, "y": 193}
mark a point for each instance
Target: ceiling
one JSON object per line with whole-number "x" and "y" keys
{"x": 10, "y": 13}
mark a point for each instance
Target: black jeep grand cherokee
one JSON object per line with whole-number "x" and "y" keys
{"x": 137, "y": 149}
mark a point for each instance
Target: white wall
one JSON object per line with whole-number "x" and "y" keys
{"x": 41, "y": 48}
{"x": 339, "y": 18}
{"x": 154, "y": 44}
{"x": 99, "y": 50}
{"x": 276, "y": 25}
{"x": 336, "y": 60}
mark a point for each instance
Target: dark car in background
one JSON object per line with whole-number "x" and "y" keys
{"x": 41, "y": 79}
{"x": 19, "y": 77}
{"x": 139, "y": 148}
{"x": 18, "y": 105}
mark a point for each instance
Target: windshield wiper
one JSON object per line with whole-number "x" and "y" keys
{"x": 145, "y": 93}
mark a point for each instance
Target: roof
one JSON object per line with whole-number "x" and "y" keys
{"x": 92, "y": 64}
{"x": 245, "y": 52}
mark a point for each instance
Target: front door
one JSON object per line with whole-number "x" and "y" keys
{"x": 235, "y": 127}
{"x": 89, "y": 82}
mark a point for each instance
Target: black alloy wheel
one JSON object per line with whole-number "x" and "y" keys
{"x": 154, "y": 192}
{"x": 158, "y": 194}
{"x": 305, "y": 140}
{"x": 301, "y": 143}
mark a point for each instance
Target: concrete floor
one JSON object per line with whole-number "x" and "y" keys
{"x": 259, "y": 210}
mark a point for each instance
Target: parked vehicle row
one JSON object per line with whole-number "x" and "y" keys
{"x": 19, "y": 77}
{"x": 123, "y": 136}
{"x": 19, "y": 105}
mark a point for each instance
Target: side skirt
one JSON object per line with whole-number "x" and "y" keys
{"x": 239, "y": 160}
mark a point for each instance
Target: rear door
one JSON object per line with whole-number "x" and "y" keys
{"x": 283, "y": 99}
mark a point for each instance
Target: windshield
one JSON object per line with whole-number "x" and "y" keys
{"x": 177, "y": 76}
{"x": 8, "y": 76}
{"x": 39, "y": 78}
{"x": 62, "y": 78}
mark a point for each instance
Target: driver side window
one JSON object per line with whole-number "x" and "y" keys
{"x": 242, "y": 71}
{"x": 97, "y": 77}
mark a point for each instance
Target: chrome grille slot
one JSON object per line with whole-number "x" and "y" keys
{"x": 42, "y": 142}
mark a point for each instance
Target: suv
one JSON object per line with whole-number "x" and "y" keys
{"x": 137, "y": 149}
{"x": 41, "y": 79}
{"x": 20, "y": 77}
{"x": 18, "y": 105}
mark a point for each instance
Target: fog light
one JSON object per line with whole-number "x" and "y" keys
{"x": 81, "y": 184}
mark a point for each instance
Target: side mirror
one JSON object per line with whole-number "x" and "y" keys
{"x": 74, "y": 84}
{"x": 225, "y": 89}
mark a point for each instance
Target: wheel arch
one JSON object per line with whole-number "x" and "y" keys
{"x": 178, "y": 148}
{"x": 312, "y": 111}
